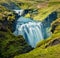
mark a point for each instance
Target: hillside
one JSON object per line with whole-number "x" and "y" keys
{"x": 11, "y": 45}
{"x": 39, "y": 10}
{"x": 16, "y": 46}
{"x": 44, "y": 12}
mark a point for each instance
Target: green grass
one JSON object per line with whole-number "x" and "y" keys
{"x": 44, "y": 12}
{"x": 11, "y": 45}
{"x": 51, "y": 52}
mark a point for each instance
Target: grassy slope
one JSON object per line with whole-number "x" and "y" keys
{"x": 44, "y": 12}
{"x": 52, "y": 52}
{"x": 29, "y": 4}
{"x": 11, "y": 45}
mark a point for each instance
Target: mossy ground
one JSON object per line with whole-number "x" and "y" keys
{"x": 11, "y": 45}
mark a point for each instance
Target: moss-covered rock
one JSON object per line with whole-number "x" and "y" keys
{"x": 55, "y": 26}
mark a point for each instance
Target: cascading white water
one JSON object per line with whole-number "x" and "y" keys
{"x": 32, "y": 31}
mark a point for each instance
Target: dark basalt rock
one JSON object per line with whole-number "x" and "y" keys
{"x": 54, "y": 42}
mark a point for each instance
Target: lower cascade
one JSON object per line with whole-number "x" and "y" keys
{"x": 32, "y": 31}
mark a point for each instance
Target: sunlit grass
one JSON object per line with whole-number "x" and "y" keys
{"x": 44, "y": 12}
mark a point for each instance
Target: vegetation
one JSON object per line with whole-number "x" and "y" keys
{"x": 47, "y": 10}
{"x": 43, "y": 7}
{"x": 51, "y": 52}
{"x": 11, "y": 45}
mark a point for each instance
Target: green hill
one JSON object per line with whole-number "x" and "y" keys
{"x": 43, "y": 8}
{"x": 11, "y": 45}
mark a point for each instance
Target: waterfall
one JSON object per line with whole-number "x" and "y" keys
{"x": 32, "y": 31}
